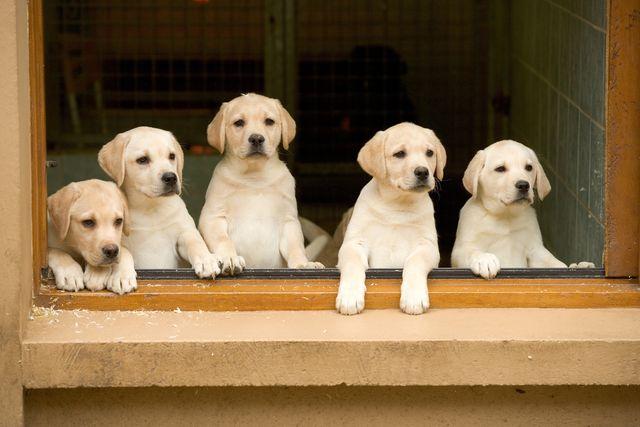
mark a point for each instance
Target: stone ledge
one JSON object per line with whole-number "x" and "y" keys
{"x": 379, "y": 347}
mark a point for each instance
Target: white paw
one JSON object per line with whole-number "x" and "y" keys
{"x": 122, "y": 280}
{"x": 206, "y": 266}
{"x": 350, "y": 299}
{"x": 69, "y": 278}
{"x": 231, "y": 264}
{"x": 485, "y": 265}
{"x": 310, "y": 265}
{"x": 414, "y": 299}
{"x": 582, "y": 264}
{"x": 95, "y": 278}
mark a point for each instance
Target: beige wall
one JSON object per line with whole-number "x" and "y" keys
{"x": 15, "y": 210}
{"x": 601, "y": 406}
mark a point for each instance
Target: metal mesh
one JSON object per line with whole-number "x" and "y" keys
{"x": 359, "y": 66}
{"x": 163, "y": 63}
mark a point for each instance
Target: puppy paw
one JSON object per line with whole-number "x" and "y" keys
{"x": 95, "y": 278}
{"x": 414, "y": 299}
{"x": 232, "y": 264}
{"x": 122, "y": 280}
{"x": 69, "y": 278}
{"x": 310, "y": 265}
{"x": 582, "y": 264}
{"x": 350, "y": 300}
{"x": 485, "y": 265}
{"x": 206, "y": 266}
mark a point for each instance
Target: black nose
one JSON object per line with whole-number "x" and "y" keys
{"x": 421, "y": 173}
{"x": 256, "y": 139}
{"x": 110, "y": 251}
{"x": 523, "y": 185}
{"x": 169, "y": 178}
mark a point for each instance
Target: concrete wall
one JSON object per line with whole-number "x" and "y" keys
{"x": 15, "y": 204}
{"x": 373, "y": 406}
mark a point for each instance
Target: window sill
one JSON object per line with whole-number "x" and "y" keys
{"x": 316, "y": 290}
{"x": 379, "y": 347}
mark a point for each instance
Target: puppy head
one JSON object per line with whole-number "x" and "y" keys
{"x": 505, "y": 174}
{"x": 406, "y": 156}
{"x": 145, "y": 159}
{"x": 90, "y": 216}
{"x": 251, "y": 127}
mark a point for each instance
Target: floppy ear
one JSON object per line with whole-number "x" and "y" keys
{"x": 179, "y": 160}
{"x": 216, "y": 135}
{"x": 126, "y": 219}
{"x": 59, "y": 207}
{"x": 111, "y": 157}
{"x": 441, "y": 154}
{"x": 542, "y": 182}
{"x": 472, "y": 174}
{"x": 288, "y": 125}
{"x": 371, "y": 156}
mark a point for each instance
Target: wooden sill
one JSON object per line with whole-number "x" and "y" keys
{"x": 316, "y": 290}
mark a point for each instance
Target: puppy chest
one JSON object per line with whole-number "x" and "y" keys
{"x": 152, "y": 249}
{"x": 390, "y": 246}
{"x": 510, "y": 248}
{"x": 255, "y": 219}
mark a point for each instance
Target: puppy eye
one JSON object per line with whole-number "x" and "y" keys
{"x": 142, "y": 160}
{"x": 500, "y": 169}
{"x": 269, "y": 122}
{"x": 88, "y": 223}
{"x": 429, "y": 153}
{"x": 238, "y": 123}
{"x": 118, "y": 222}
{"x": 399, "y": 155}
{"x": 172, "y": 156}
{"x": 529, "y": 168}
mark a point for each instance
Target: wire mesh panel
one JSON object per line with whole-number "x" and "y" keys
{"x": 345, "y": 69}
{"x": 115, "y": 64}
{"x": 366, "y": 65}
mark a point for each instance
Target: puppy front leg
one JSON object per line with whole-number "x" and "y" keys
{"x": 216, "y": 235}
{"x": 123, "y": 275}
{"x": 414, "y": 296}
{"x": 353, "y": 263}
{"x": 540, "y": 257}
{"x": 292, "y": 246}
{"x": 67, "y": 272}
{"x": 192, "y": 247}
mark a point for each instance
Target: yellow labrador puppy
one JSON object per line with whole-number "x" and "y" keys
{"x": 250, "y": 216}
{"x": 86, "y": 222}
{"x": 392, "y": 224}
{"x": 147, "y": 163}
{"x": 498, "y": 226}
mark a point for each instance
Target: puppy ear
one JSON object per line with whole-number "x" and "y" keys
{"x": 288, "y": 125}
{"x": 371, "y": 156}
{"x": 59, "y": 207}
{"x": 441, "y": 154}
{"x": 542, "y": 182}
{"x": 216, "y": 135}
{"x": 472, "y": 174}
{"x": 111, "y": 157}
{"x": 179, "y": 160}
{"x": 126, "y": 219}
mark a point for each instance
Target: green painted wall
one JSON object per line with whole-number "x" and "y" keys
{"x": 557, "y": 90}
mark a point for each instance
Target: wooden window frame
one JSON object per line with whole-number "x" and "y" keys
{"x": 614, "y": 286}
